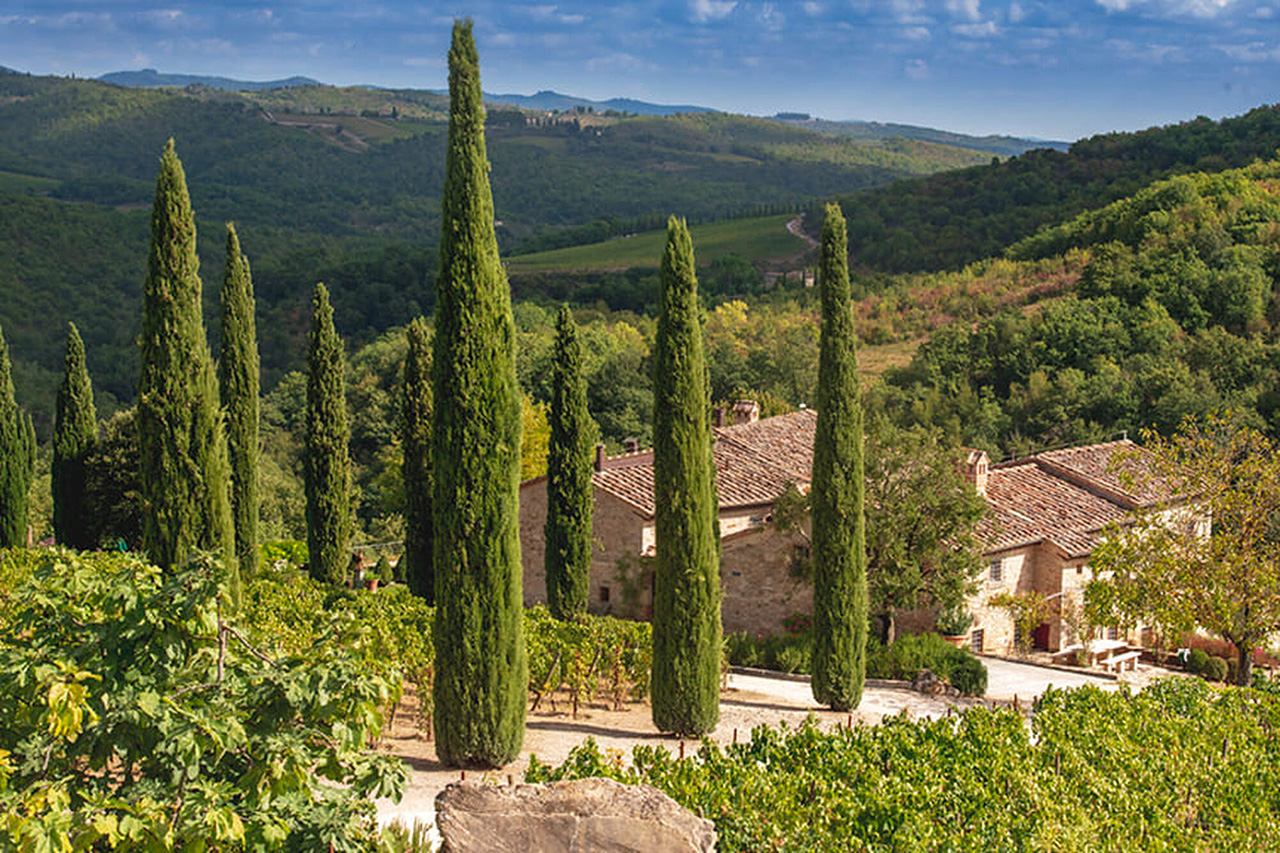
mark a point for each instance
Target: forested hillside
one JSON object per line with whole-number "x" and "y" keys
{"x": 343, "y": 186}
{"x": 1174, "y": 314}
{"x": 950, "y": 219}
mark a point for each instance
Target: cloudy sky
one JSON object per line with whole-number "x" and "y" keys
{"x": 1054, "y": 69}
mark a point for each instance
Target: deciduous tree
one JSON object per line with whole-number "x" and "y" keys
{"x": 686, "y": 598}
{"x": 1168, "y": 568}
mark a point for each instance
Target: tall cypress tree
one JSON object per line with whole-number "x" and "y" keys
{"x": 567, "y": 559}
{"x": 185, "y": 474}
{"x": 839, "y": 551}
{"x": 238, "y": 381}
{"x": 416, "y": 442}
{"x": 481, "y": 668}
{"x": 327, "y": 457}
{"x": 15, "y": 460}
{"x": 686, "y": 606}
{"x": 75, "y": 432}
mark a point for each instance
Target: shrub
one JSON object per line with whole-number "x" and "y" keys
{"x": 1216, "y": 669}
{"x": 954, "y": 621}
{"x": 1197, "y": 660}
{"x": 970, "y": 676}
{"x": 742, "y": 649}
{"x": 794, "y": 658}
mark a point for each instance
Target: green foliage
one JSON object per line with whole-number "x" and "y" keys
{"x": 1197, "y": 661}
{"x": 238, "y": 383}
{"x": 17, "y": 460}
{"x": 382, "y": 570}
{"x": 686, "y": 600}
{"x": 416, "y": 562}
{"x": 75, "y": 432}
{"x": 952, "y": 218}
{"x": 839, "y": 547}
{"x": 481, "y": 664}
{"x": 954, "y": 621}
{"x": 1210, "y": 562}
{"x": 1179, "y": 766}
{"x": 113, "y": 484}
{"x": 184, "y": 470}
{"x": 570, "y": 498}
{"x": 139, "y": 719}
{"x": 592, "y": 657}
{"x": 1216, "y": 669}
{"x": 327, "y": 460}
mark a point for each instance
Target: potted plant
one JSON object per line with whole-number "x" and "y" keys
{"x": 953, "y": 624}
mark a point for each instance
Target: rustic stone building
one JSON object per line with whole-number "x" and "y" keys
{"x": 1047, "y": 513}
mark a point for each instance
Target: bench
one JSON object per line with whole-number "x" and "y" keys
{"x": 1119, "y": 661}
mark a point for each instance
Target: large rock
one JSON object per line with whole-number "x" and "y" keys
{"x": 597, "y": 815}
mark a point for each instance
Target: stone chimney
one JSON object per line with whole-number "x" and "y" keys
{"x": 599, "y": 465}
{"x": 717, "y": 415}
{"x": 975, "y": 469}
{"x": 746, "y": 412}
{"x": 631, "y": 445}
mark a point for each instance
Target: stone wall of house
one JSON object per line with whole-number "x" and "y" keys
{"x": 616, "y": 531}
{"x": 1017, "y": 573}
{"x": 757, "y": 587}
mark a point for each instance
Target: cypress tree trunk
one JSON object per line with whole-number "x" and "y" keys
{"x": 569, "y": 496}
{"x": 327, "y": 456}
{"x": 15, "y": 460}
{"x": 839, "y": 552}
{"x": 238, "y": 380}
{"x": 75, "y": 432}
{"x": 418, "y": 567}
{"x": 184, "y": 470}
{"x": 686, "y": 606}
{"x": 481, "y": 668}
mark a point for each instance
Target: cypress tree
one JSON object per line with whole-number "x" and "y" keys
{"x": 327, "y": 457}
{"x": 481, "y": 668}
{"x": 416, "y": 562}
{"x": 238, "y": 380}
{"x": 686, "y": 605}
{"x": 74, "y": 434}
{"x": 839, "y": 551}
{"x": 15, "y": 460}
{"x": 185, "y": 475}
{"x": 567, "y": 559}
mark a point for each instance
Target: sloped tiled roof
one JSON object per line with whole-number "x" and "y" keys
{"x": 754, "y": 464}
{"x": 1063, "y": 497}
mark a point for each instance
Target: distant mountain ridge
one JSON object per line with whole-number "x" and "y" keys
{"x": 549, "y": 100}
{"x": 1004, "y": 146}
{"x": 149, "y": 77}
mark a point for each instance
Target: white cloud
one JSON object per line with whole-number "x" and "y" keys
{"x": 1118, "y": 5}
{"x": 967, "y": 9}
{"x": 916, "y": 33}
{"x": 703, "y": 11}
{"x": 615, "y": 62}
{"x": 1264, "y": 13}
{"x": 917, "y": 69}
{"x": 1157, "y": 53}
{"x": 812, "y": 9}
{"x": 1015, "y": 13}
{"x": 1204, "y": 8}
{"x": 986, "y": 29}
{"x": 1253, "y": 52}
{"x": 909, "y": 12}
{"x": 771, "y": 17}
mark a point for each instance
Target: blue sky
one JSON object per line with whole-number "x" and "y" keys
{"x": 1058, "y": 69}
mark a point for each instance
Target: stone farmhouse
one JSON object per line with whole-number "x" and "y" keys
{"x": 1048, "y": 512}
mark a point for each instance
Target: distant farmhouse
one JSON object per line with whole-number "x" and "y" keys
{"x": 1048, "y": 512}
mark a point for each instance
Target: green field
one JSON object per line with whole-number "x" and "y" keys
{"x": 13, "y": 183}
{"x": 757, "y": 239}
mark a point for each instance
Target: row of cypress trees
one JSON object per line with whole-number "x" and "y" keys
{"x": 462, "y": 434}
